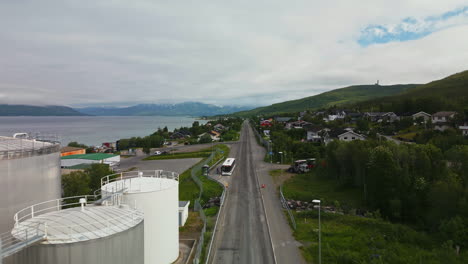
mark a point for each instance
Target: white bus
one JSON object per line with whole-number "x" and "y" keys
{"x": 228, "y": 166}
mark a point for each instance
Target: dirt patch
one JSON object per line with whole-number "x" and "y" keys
{"x": 280, "y": 175}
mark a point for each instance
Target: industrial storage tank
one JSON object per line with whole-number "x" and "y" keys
{"x": 29, "y": 173}
{"x": 156, "y": 194}
{"x": 91, "y": 234}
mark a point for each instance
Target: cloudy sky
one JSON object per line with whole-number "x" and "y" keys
{"x": 256, "y": 52}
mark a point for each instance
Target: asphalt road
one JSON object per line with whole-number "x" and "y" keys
{"x": 242, "y": 232}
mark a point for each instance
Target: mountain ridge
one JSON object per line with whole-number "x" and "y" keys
{"x": 180, "y": 109}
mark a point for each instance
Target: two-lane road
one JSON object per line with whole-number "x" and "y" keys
{"x": 242, "y": 231}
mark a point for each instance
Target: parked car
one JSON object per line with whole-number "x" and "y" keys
{"x": 157, "y": 152}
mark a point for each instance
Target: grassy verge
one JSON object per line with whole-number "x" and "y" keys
{"x": 184, "y": 155}
{"x": 355, "y": 239}
{"x": 309, "y": 186}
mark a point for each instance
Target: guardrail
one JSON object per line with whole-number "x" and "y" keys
{"x": 221, "y": 203}
{"x": 285, "y": 205}
{"x": 22, "y": 153}
{"x": 135, "y": 174}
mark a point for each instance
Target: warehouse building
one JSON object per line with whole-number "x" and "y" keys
{"x": 101, "y": 158}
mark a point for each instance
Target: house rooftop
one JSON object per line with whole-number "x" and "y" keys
{"x": 444, "y": 113}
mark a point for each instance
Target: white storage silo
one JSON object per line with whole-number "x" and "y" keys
{"x": 29, "y": 173}
{"x": 111, "y": 234}
{"x": 156, "y": 194}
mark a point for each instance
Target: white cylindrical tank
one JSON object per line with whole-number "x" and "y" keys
{"x": 156, "y": 194}
{"x": 90, "y": 234}
{"x": 29, "y": 173}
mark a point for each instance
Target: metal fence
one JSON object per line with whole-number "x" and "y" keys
{"x": 285, "y": 205}
{"x": 262, "y": 141}
{"x": 199, "y": 208}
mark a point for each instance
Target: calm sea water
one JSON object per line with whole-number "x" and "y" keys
{"x": 91, "y": 130}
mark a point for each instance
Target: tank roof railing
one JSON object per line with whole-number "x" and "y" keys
{"x": 13, "y": 148}
{"x": 137, "y": 174}
{"x": 38, "y": 228}
{"x": 50, "y": 206}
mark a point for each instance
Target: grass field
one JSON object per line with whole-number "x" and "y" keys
{"x": 350, "y": 239}
{"x": 184, "y": 155}
{"x": 307, "y": 187}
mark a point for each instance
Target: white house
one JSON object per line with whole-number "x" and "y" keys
{"x": 183, "y": 212}
{"x": 442, "y": 117}
{"x": 422, "y": 114}
{"x": 350, "y": 136}
{"x": 464, "y": 129}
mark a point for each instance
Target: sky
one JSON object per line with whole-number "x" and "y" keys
{"x": 256, "y": 52}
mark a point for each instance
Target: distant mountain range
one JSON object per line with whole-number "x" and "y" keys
{"x": 342, "y": 96}
{"x": 181, "y": 109}
{"x": 30, "y": 110}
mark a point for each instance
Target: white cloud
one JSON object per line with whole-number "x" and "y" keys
{"x": 70, "y": 52}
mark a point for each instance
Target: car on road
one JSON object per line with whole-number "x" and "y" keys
{"x": 157, "y": 152}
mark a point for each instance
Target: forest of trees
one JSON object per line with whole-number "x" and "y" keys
{"x": 415, "y": 184}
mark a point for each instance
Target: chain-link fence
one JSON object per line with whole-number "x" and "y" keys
{"x": 199, "y": 208}
{"x": 285, "y": 205}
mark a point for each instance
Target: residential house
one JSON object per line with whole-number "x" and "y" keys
{"x": 281, "y": 119}
{"x": 338, "y": 114}
{"x": 215, "y": 134}
{"x": 381, "y": 116}
{"x": 443, "y": 117}
{"x": 350, "y": 136}
{"x": 464, "y": 128}
{"x": 314, "y": 134}
{"x": 297, "y": 124}
{"x": 219, "y": 127}
{"x": 425, "y": 116}
{"x": 265, "y": 123}
{"x": 440, "y": 120}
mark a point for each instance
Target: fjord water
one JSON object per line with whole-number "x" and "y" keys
{"x": 91, "y": 130}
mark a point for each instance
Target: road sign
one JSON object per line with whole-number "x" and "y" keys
{"x": 271, "y": 153}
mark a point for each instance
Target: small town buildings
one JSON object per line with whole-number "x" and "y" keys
{"x": 281, "y": 119}
{"x": 219, "y": 127}
{"x": 443, "y": 116}
{"x": 425, "y": 116}
{"x": 314, "y": 134}
{"x": 183, "y": 212}
{"x": 266, "y": 123}
{"x": 350, "y": 136}
{"x": 297, "y": 124}
{"x": 101, "y": 158}
{"x": 67, "y": 151}
{"x": 381, "y": 116}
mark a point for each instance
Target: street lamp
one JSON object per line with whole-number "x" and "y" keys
{"x": 320, "y": 239}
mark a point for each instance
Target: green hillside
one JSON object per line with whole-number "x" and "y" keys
{"x": 347, "y": 95}
{"x": 450, "y": 93}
